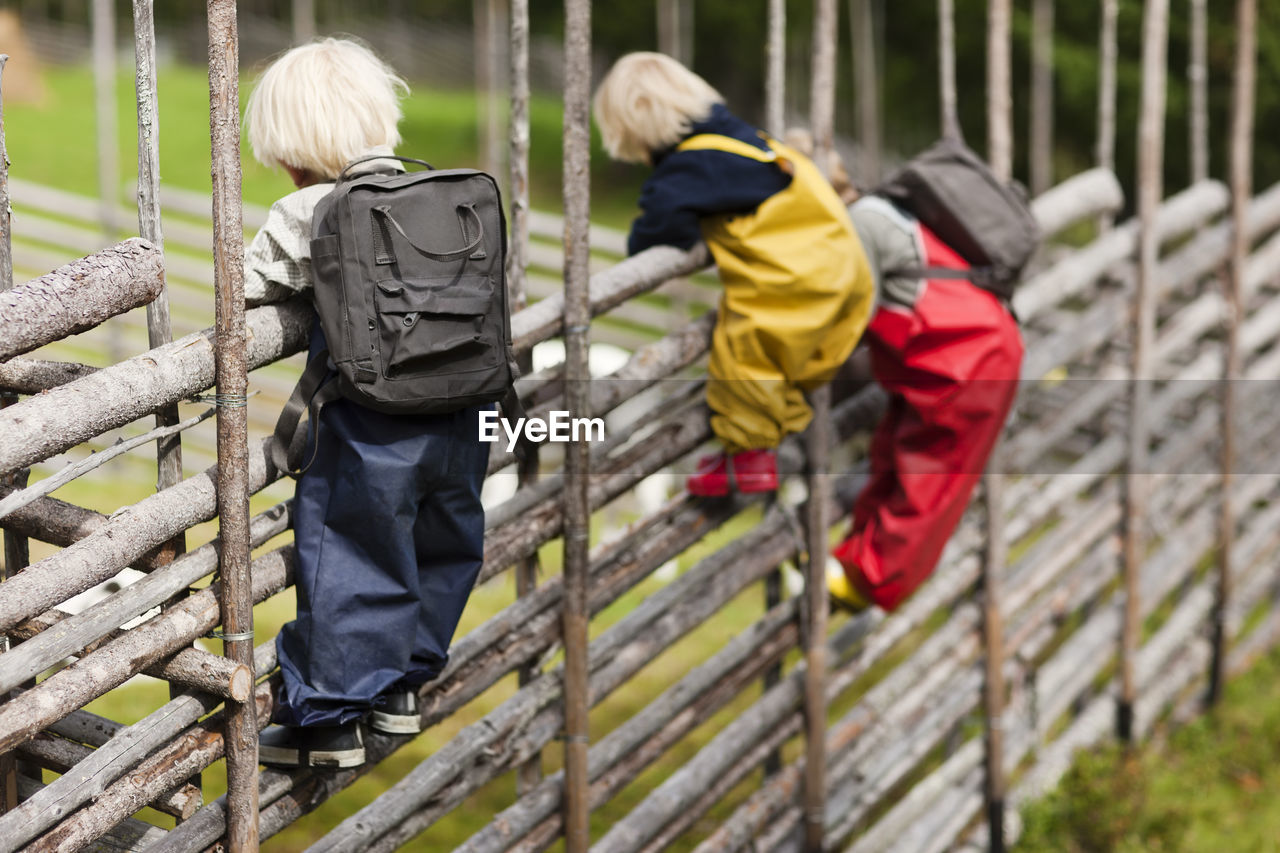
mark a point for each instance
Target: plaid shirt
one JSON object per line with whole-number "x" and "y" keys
{"x": 277, "y": 264}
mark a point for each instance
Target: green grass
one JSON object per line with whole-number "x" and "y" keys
{"x": 1210, "y": 786}
{"x": 53, "y": 142}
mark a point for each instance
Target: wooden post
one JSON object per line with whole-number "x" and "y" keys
{"x": 303, "y": 16}
{"x": 866, "y": 86}
{"x": 1137, "y": 474}
{"x": 530, "y": 773}
{"x": 489, "y": 47}
{"x": 104, "y": 90}
{"x": 16, "y": 553}
{"x": 775, "y": 123}
{"x": 947, "y": 69}
{"x": 1105, "y": 151}
{"x": 1242, "y": 117}
{"x": 813, "y": 629}
{"x": 577, "y": 506}
{"x": 1000, "y": 153}
{"x": 1198, "y": 88}
{"x": 775, "y": 79}
{"x": 233, "y": 448}
{"x": 168, "y": 450}
{"x": 999, "y": 88}
{"x": 1041, "y": 148}
{"x": 675, "y": 29}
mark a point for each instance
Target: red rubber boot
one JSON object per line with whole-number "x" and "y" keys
{"x": 748, "y": 471}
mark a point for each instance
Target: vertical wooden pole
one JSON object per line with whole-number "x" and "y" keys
{"x": 1105, "y": 151}
{"x": 1242, "y": 117}
{"x": 103, "y": 25}
{"x": 16, "y": 555}
{"x": 168, "y": 450}
{"x": 668, "y": 12}
{"x": 675, "y": 29}
{"x": 491, "y": 59}
{"x": 233, "y": 448}
{"x": 1000, "y": 153}
{"x": 1041, "y": 148}
{"x": 947, "y": 69}
{"x": 1137, "y": 476}
{"x": 866, "y": 87}
{"x": 104, "y": 90}
{"x": 303, "y": 15}
{"x": 1198, "y": 87}
{"x": 577, "y": 510}
{"x": 775, "y": 80}
{"x": 999, "y": 88}
{"x": 529, "y": 773}
{"x": 822, "y": 106}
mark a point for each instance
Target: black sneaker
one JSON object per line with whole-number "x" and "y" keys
{"x": 398, "y": 714}
{"x": 312, "y": 746}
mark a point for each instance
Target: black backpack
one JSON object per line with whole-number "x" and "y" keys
{"x": 988, "y": 222}
{"x": 410, "y": 288}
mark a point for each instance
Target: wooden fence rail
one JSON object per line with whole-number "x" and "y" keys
{"x": 855, "y": 732}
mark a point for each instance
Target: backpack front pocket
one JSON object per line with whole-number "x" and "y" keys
{"x": 435, "y": 325}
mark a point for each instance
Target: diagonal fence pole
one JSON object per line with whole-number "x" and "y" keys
{"x": 233, "y": 447}
{"x": 1000, "y": 153}
{"x": 1242, "y": 119}
{"x": 1137, "y": 474}
{"x": 577, "y": 507}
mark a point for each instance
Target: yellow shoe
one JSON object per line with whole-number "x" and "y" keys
{"x": 843, "y": 594}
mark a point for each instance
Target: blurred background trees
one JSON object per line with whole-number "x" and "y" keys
{"x": 431, "y": 40}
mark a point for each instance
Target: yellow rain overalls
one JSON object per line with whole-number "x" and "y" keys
{"x": 797, "y": 295}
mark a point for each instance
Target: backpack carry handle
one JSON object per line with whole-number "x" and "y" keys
{"x": 359, "y": 160}
{"x": 385, "y": 255}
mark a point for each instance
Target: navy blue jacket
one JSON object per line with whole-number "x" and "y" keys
{"x": 686, "y": 185}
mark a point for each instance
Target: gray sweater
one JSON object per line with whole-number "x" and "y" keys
{"x": 889, "y": 238}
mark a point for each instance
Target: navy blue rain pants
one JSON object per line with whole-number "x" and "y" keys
{"x": 390, "y": 538}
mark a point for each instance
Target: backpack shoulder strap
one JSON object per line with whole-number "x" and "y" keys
{"x": 718, "y": 142}
{"x": 289, "y": 439}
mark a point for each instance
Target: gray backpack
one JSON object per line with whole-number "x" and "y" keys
{"x": 985, "y": 220}
{"x": 410, "y": 288}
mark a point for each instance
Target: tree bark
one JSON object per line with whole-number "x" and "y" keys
{"x": 79, "y": 296}
{"x": 45, "y": 425}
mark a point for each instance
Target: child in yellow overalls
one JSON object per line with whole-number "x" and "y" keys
{"x": 797, "y": 288}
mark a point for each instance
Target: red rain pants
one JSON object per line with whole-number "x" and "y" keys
{"x": 950, "y": 364}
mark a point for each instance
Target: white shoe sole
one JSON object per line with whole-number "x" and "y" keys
{"x": 394, "y": 724}
{"x": 339, "y": 758}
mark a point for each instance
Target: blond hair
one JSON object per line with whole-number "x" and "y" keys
{"x": 648, "y": 102}
{"x": 321, "y": 105}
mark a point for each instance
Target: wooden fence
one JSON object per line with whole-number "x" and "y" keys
{"x": 1081, "y": 600}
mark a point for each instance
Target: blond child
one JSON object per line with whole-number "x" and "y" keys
{"x": 797, "y": 290}
{"x": 388, "y": 522}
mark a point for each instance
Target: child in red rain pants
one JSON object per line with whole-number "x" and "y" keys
{"x": 949, "y": 354}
